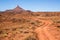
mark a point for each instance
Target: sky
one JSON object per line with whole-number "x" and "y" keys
{"x": 33, "y": 5}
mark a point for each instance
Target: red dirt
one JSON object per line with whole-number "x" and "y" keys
{"x": 48, "y": 32}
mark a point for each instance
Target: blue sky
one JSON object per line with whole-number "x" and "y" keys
{"x": 33, "y": 5}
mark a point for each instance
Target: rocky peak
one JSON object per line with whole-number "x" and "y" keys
{"x": 18, "y": 9}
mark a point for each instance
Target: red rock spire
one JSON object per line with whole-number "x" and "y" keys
{"x": 18, "y": 9}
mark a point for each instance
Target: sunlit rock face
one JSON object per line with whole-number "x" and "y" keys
{"x": 21, "y": 24}
{"x": 18, "y": 9}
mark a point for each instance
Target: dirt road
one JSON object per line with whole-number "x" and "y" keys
{"x": 45, "y": 32}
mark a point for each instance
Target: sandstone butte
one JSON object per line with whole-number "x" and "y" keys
{"x": 21, "y": 24}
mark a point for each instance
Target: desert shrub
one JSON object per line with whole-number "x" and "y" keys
{"x": 32, "y": 23}
{"x": 26, "y": 32}
{"x": 30, "y": 38}
{"x": 7, "y": 29}
{"x": 13, "y": 20}
{"x": 19, "y": 20}
{"x": 1, "y": 32}
{"x": 32, "y": 14}
{"x": 36, "y": 23}
{"x": 21, "y": 27}
{"x": 58, "y": 21}
{"x": 36, "y": 14}
{"x": 58, "y": 26}
{"x": 47, "y": 15}
{"x": 1, "y": 20}
{"x": 14, "y": 29}
{"x": 28, "y": 20}
{"x": 21, "y": 31}
{"x": 0, "y": 15}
